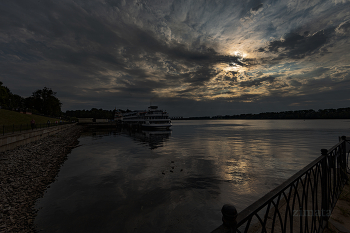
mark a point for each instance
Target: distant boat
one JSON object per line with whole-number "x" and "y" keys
{"x": 153, "y": 118}
{"x": 118, "y": 117}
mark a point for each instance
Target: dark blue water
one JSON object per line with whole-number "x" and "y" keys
{"x": 177, "y": 181}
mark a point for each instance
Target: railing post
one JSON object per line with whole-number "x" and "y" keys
{"x": 229, "y": 223}
{"x": 324, "y": 185}
{"x": 229, "y": 215}
{"x": 343, "y": 165}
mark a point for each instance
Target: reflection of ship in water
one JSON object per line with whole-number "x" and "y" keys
{"x": 153, "y": 138}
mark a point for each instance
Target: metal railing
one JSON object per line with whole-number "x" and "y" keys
{"x": 11, "y": 129}
{"x": 303, "y": 203}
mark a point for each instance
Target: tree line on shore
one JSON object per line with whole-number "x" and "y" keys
{"x": 340, "y": 113}
{"x": 93, "y": 113}
{"x": 45, "y": 102}
{"x": 42, "y": 101}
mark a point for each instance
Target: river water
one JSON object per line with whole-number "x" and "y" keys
{"x": 178, "y": 180}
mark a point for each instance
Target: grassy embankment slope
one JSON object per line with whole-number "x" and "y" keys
{"x": 11, "y": 117}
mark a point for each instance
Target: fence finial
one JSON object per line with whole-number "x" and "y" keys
{"x": 324, "y": 151}
{"x": 229, "y": 215}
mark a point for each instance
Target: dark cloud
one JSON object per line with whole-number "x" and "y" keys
{"x": 257, "y": 7}
{"x": 124, "y": 53}
{"x": 200, "y": 76}
{"x": 247, "y": 6}
{"x": 295, "y": 83}
{"x": 257, "y": 82}
{"x": 297, "y": 46}
{"x": 20, "y": 51}
{"x": 231, "y": 78}
{"x": 93, "y": 47}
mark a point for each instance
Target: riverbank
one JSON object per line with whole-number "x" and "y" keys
{"x": 26, "y": 172}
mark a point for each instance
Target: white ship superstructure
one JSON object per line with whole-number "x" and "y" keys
{"x": 118, "y": 116}
{"x": 134, "y": 117}
{"x": 156, "y": 118}
{"x": 153, "y": 118}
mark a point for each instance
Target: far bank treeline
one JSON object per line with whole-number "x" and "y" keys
{"x": 94, "y": 113}
{"x": 340, "y": 113}
{"x": 45, "y": 102}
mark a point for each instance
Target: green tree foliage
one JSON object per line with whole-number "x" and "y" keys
{"x": 17, "y": 102}
{"x": 5, "y": 96}
{"x": 93, "y": 113}
{"x": 9, "y": 100}
{"x": 41, "y": 102}
{"x": 45, "y": 102}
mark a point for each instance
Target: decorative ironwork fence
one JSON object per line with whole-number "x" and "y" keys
{"x": 303, "y": 203}
{"x": 5, "y": 129}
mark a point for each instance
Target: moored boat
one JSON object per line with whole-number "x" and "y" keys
{"x": 156, "y": 119}
{"x": 153, "y": 118}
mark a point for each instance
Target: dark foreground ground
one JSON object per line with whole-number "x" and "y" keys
{"x": 26, "y": 172}
{"x": 340, "y": 218}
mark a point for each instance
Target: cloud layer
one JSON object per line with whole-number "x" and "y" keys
{"x": 223, "y": 57}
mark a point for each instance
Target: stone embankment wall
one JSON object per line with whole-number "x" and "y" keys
{"x": 11, "y": 141}
{"x": 25, "y": 174}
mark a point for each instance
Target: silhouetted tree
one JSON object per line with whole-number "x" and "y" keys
{"x": 93, "y": 113}
{"x": 44, "y": 101}
{"x": 5, "y": 96}
{"x": 9, "y": 100}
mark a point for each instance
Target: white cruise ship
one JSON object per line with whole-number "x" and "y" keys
{"x": 153, "y": 118}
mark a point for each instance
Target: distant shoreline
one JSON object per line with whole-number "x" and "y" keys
{"x": 258, "y": 119}
{"x": 339, "y": 113}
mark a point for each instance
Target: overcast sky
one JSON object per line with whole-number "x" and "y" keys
{"x": 192, "y": 58}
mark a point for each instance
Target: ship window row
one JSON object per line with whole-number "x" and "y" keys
{"x": 158, "y": 122}
{"x": 158, "y": 117}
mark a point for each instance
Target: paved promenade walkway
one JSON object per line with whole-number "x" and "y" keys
{"x": 340, "y": 218}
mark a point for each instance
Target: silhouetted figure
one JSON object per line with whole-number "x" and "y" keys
{"x": 32, "y": 123}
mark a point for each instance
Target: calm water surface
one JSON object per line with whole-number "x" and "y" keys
{"x": 177, "y": 181}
